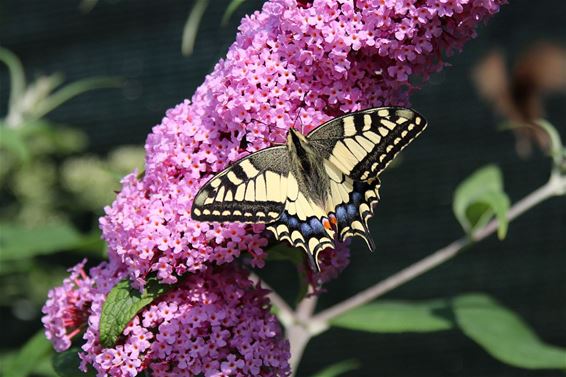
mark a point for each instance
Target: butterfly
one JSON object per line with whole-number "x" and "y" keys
{"x": 316, "y": 189}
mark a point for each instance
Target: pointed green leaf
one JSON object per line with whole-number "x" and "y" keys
{"x": 17, "y": 76}
{"x": 397, "y": 317}
{"x": 66, "y": 364}
{"x": 191, "y": 27}
{"x": 338, "y": 369}
{"x": 478, "y": 198}
{"x": 230, "y": 9}
{"x": 504, "y": 335}
{"x": 17, "y": 242}
{"x": 122, "y": 304}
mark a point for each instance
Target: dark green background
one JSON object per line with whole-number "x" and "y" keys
{"x": 140, "y": 41}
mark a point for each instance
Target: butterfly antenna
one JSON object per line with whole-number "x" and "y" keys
{"x": 301, "y": 105}
{"x": 301, "y": 120}
{"x": 259, "y": 121}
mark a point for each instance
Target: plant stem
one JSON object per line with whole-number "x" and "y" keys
{"x": 551, "y": 188}
{"x": 298, "y": 337}
{"x": 302, "y": 325}
{"x": 286, "y": 315}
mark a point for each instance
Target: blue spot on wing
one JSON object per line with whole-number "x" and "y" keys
{"x": 316, "y": 225}
{"x": 293, "y": 222}
{"x": 341, "y": 213}
{"x": 352, "y": 211}
{"x": 306, "y": 230}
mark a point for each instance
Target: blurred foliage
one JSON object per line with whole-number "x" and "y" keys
{"x": 498, "y": 330}
{"x": 19, "y": 364}
{"x": 52, "y": 192}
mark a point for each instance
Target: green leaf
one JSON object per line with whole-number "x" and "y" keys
{"x": 25, "y": 361}
{"x": 479, "y": 198}
{"x": 389, "y": 316}
{"x": 282, "y": 252}
{"x": 66, "y": 364}
{"x": 557, "y": 151}
{"x": 18, "y": 242}
{"x": 556, "y": 148}
{"x": 338, "y": 369}
{"x": 13, "y": 141}
{"x": 17, "y": 76}
{"x": 504, "y": 335}
{"x": 191, "y": 27}
{"x": 230, "y": 9}
{"x": 122, "y": 304}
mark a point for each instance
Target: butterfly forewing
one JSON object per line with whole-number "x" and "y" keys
{"x": 252, "y": 190}
{"x": 362, "y": 144}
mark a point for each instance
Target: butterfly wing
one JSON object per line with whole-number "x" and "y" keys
{"x": 252, "y": 190}
{"x": 355, "y": 149}
{"x": 362, "y": 144}
{"x": 302, "y": 220}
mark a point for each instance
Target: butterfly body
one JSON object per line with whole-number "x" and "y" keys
{"x": 306, "y": 167}
{"x": 314, "y": 189}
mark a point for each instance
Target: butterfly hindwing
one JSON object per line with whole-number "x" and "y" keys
{"x": 252, "y": 190}
{"x": 363, "y": 143}
{"x": 302, "y": 221}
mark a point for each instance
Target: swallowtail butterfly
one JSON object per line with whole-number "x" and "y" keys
{"x": 314, "y": 189}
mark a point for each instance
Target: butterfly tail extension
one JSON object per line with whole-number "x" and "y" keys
{"x": 352, "y": 217}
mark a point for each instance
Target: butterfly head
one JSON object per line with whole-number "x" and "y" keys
{"x": 295, "y": 139}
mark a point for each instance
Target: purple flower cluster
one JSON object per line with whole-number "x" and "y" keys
{"x": 214, "y": 323}
{"x": 66, "y": 307}
{"x": 308, "y": 62}
{"x": 294, "y": 64}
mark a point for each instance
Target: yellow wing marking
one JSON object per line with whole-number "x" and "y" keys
{"x": 356, "y": 149}
{"x": 373, "y": 137}
{"x": 292, "y": 187}
{"x": 333, "y": 172}
{"x": 365, "y": 143}
{"x": 349, "y": 126}
{"x": 260, "y": 189}
{"x": 232, "y": 177}
{"x": 343, "y": 155}
{"x": 367, "y": 122}
{"x": 249, "y": 169}
{"x": 250, "y": 191}
{"x": 383, "y": 113}
{"x": 389, "y": 124}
